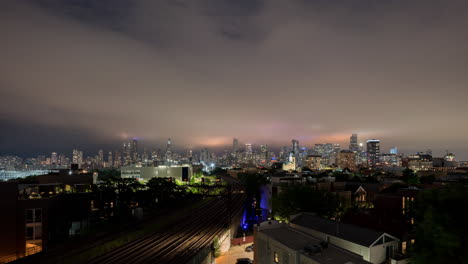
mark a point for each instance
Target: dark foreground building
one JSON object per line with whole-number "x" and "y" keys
{"x": 35, "y": 214}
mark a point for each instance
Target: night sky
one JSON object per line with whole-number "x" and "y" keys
{"x": 89, "y": 74}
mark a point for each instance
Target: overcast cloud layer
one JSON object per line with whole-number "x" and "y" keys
{"x": 91, "y": 73}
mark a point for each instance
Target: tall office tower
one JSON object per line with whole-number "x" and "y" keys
{"x": 135, "y": 150}
{"x": 75, "y": 155}
{"x": 54, "y": 158}
{"x": 248, "y": 148}
{"x": 353, "y": 143}
{"x": 235, "y": 145}
{"x": 144, "y": 156}
{"x": 373, "y": 152}
{"x": 110, "y": 162}
{"x": 100, "y": 159}
{"x": 264, "y": 154}
{"x": 169, "y": 145}
{"x": 168, "y": 153}
{"x": 117, "y": 159}
{"x": 295, "y": 146}
{"x": 394, "y": 151}
{"x": 62, "y": 160}
{"x": 127, "y": 156}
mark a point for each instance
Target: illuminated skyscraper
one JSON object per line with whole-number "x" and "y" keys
{"x": 295, "y": 146}
{"x": 54, "y": 158}
{"x": 135, "y": 150}
{"x": 353, "y": 143}
{"x": 77, "y": 157}
{"x": 100, "y": 159}
{"x": 373, "y": 152}
{"x": 127, "y": 156}
{"x": 394, "y": 151}
{"x": 235, "y": 145}
{"x": 264, "y": 154}
{"x": 110, "y": 161}
{"x": 248, "y": 148}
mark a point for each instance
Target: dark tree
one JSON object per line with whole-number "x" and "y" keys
{"x": 302, "y": 198}
{"x": 409, "y": 177}
{"x": 441, "y": 230}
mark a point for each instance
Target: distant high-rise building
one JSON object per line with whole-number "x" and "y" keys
{"x": 248, "y": 148}
{"x": 394, "y": 151}
{"x": 313, "y": 162}
{"x": 264, "y": 154}
{"x": 373, "y": 152}
{"x": 295, "y": 146}
{"x": 235, "y": 145}
{"x": 77, "y": 157}
{"x": 205, "y": 156}
{"x": 117, "y": 159}
{"x": 169, "y": 144}
{"x": 135, "y": 150}
{"x": 127, "y": 155}
{"x": 110, "y": 161}
{"x": 100, "y": 159}
{"x": 346, "y": 159}
{"x": 54, "y": 158}
{"x": 353, "y": 143}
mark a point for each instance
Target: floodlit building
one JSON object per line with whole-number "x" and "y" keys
{"x": 182, "y": 173}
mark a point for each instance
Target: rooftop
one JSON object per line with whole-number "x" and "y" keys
{"x": 298, "y": 241}
{"x": 359, "y": 235}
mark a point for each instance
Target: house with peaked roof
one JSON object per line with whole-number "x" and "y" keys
{"x": 373, "y": 246}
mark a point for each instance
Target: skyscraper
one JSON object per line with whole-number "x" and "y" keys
{"x": 353, "y": 143}
{"x": 264, "y": 154}
{"x": 248, "y": 148}
{"x": 77, "y": 157}
{"x": 295, "y": 146}
{"x": 373, "y": 152}
{"x": 394, "y": 151}
{"x": 135, "y": 150}
{"x": 54, "y": 158}
{"x": 235, "y": 145}
{"x": 110, "y": 162}
{"x": 100, "y": 160}
{"x": 127, "y": 156}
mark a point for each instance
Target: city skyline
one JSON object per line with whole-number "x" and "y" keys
{"x": 203, "y": 72}
{"x": 235, "y": 145}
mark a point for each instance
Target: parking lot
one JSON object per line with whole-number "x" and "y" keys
{"x": 233, "y": 254}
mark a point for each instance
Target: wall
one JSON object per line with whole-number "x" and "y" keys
{"x": 378, "y": 253}
{"x": 265, "y": 248}
{"x": 8, "y": 221}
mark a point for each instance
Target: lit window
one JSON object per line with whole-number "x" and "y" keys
{"x": 276, "y": 257}
{"x": 403, "y": 247}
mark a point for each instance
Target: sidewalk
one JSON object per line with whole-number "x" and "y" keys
{"x": 233, "y": 254}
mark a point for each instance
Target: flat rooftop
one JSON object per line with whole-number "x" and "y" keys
{"x": 297, "y": 240}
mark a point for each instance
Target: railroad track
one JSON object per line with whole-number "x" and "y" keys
{"x": 181, "y": 242}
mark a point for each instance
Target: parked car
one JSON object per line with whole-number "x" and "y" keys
{"x": 244, "y": 261}
{"x": 249, "y": 248}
